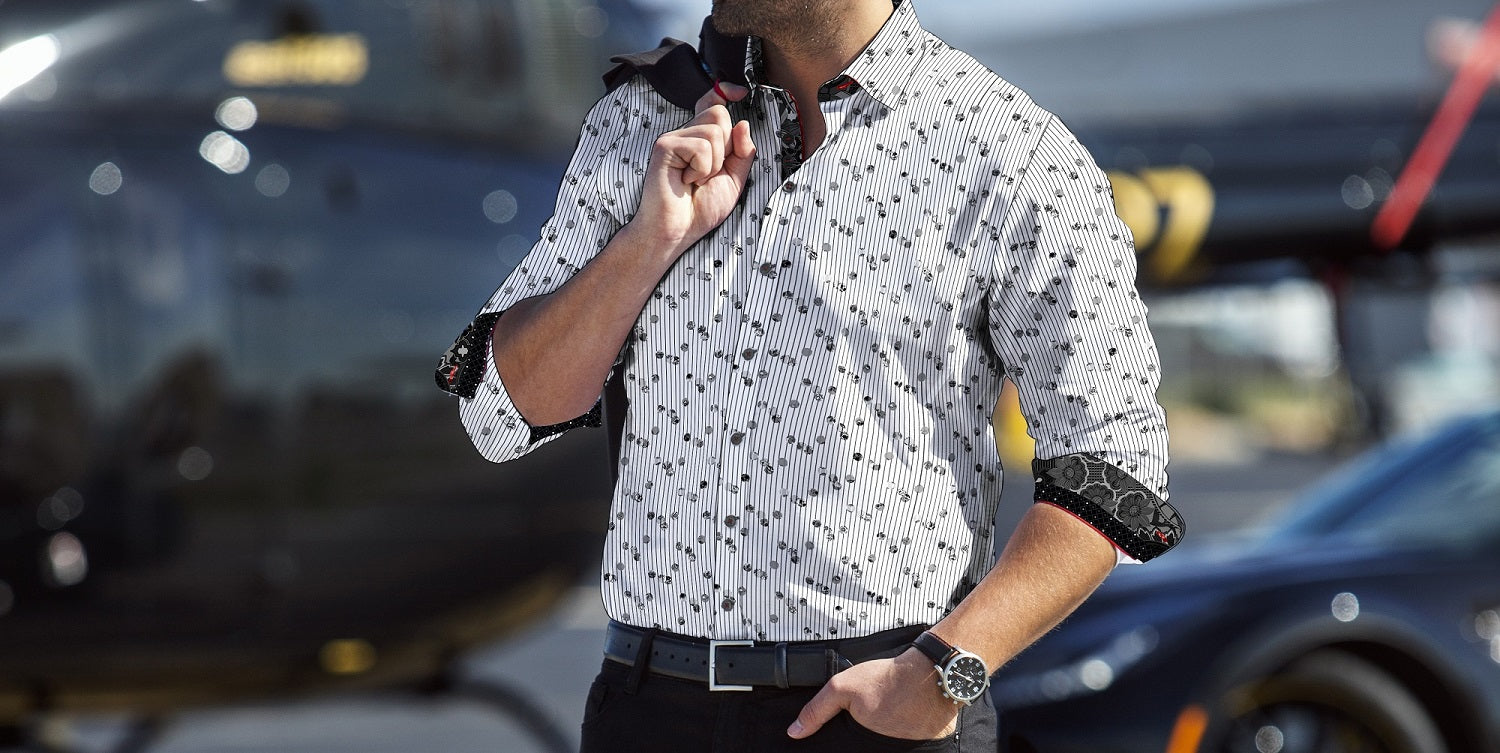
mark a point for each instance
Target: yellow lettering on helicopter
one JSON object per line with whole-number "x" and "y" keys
{"x": 347, "y": 656}
{"x": 304, "y": 59}
{"x": 1166, "y": 244}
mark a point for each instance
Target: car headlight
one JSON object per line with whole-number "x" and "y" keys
{"x": 1090, "y": 673}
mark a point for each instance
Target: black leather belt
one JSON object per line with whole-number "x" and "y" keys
{"x": 743, "y": 665}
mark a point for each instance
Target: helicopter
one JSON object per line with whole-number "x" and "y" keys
{"x": 233, "y": 235}
{"x": 237, "y": 235}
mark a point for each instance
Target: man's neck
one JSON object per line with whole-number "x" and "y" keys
{"x": 801, "y": 68}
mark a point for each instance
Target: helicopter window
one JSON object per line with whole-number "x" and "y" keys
{"x": 40, "y": 288}
{"x": 44, "y": 389}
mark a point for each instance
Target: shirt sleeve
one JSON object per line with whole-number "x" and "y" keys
{"x": 579, "y": 227}
{"x": 1070, "y": 329}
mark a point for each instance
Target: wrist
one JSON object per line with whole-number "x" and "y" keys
{"x": 915, "y": 662}
{"x": 922, "y": 679}
{"x": 962, "y": 676}
{"x": 653, "y": 242}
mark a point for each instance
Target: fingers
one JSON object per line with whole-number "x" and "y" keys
{"x": 698, "y": 150}
{"x": 711, "y": 110}
{"x": 713, "y": 117}
{"x": 824, "y": 706}
{"x": 711, "y": 141}
{"x": 709, "y": 146}
{"x": 722, "y": 93}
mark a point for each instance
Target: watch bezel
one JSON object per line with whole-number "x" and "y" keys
{"x": 949, "y": 670}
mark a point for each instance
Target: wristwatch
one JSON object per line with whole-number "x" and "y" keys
{"x": 962, "y": 675}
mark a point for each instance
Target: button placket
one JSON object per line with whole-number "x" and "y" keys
{"x": 736, "y": 433}
{"x": 769, "y": 255}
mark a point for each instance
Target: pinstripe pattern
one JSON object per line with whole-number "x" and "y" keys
{"x": 808, "y": 450}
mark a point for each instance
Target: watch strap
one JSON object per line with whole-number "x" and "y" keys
{"x": 936, "y": 649}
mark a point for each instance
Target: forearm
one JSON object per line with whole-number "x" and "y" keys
{"x": 1051, "y": 564}
{"x": 554, "y": 351}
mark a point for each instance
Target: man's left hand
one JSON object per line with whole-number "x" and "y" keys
{"x": 895, "y": 697}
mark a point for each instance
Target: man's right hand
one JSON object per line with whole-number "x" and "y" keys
{"x": 696, "y": 175}
{"x": 554, "y": 350}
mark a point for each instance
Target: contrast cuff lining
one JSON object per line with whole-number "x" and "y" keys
{"x": 461, "y": 368}
{"x": 593, "y": 418}
{"x": 1109, "y": 499}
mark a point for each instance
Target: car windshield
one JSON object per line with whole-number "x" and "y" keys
{"x": 1443, "y": 490}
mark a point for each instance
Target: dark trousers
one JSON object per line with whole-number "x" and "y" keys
{"x": 629, "y": 711}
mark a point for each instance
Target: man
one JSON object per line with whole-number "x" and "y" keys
{"x": 812, "y": 289}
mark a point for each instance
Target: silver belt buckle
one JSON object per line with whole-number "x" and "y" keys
{"x": 713, "y": 665}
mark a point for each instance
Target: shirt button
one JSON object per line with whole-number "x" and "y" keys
{"x": 730, "y": 520}
{"x": 789, "y": 186}
{"x": 728, "y": 604}
{"x": 737, "y": 437}
{"x": 768, "y": 269}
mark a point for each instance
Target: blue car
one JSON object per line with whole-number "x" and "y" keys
{"x": 1368, "y": 619}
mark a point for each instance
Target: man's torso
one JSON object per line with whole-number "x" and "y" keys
{"x": 807, "y": 453}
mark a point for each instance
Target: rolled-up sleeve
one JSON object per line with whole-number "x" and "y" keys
{"x": 1070, "y": 329}
{"x": 579, "y": 227}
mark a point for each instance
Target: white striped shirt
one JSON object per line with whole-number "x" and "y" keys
{"x": 807, "y": 453}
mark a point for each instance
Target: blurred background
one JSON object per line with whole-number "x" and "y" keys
{"x": 235, "y": 514}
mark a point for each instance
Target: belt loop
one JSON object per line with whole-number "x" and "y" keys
{"x": 642, "y": 662}
{"x": 780, "y": 668}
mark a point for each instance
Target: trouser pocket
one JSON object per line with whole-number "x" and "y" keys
{"x": 873, "y": 740}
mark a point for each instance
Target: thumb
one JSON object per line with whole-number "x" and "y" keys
{"x": 823, "y": 707}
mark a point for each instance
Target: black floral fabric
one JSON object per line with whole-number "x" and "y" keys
{"x": 808, "y": 450}
{"x": 1112, "y": 501}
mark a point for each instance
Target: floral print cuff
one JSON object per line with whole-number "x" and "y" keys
{"x": 1112, "y": 501}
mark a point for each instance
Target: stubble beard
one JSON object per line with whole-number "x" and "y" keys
{"x": 794, "y": 25}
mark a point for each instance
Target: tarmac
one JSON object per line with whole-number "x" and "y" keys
{"x": 549, "y": 667}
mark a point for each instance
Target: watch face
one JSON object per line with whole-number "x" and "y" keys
{"x": 966, "y": 678}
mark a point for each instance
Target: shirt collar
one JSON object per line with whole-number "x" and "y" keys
{"x": 884, "y": 68}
